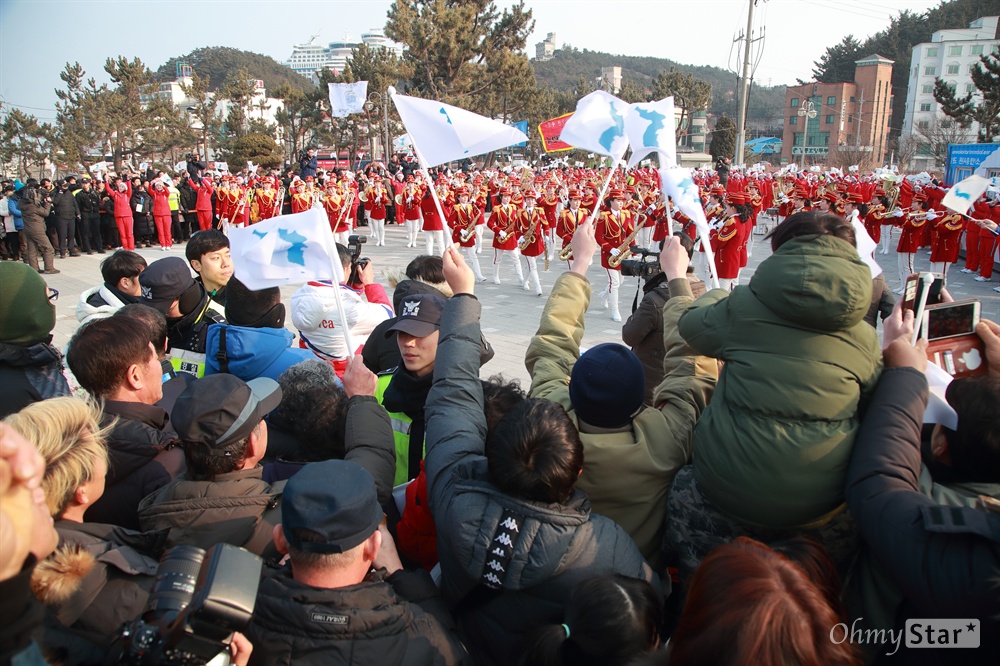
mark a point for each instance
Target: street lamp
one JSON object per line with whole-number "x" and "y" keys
{"x": 383, "y": 100}
{"x": 807, "y": 111}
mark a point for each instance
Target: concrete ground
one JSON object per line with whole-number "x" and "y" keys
{"x": 510, "y": 314}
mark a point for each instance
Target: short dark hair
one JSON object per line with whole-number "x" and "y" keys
{"x": 122, "y": 264}
{"x": 975, "y": 444}
{"x": 101, "y": 352}
{"x": 536, "y": 453}
{"x": 322, "y": 433}
{"x": 204, "y": 463}
{"x": 811, "y": 223}
{"x": 500, "y": 396}
{"x": 203, "y": 242}
{"x": 154, "y": 320}
{"x": 426, "y": 268}
{"x": 344, "y": 254}
{"x": 245, "y": 307}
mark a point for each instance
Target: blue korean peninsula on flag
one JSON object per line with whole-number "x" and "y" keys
{"x": 289, "y": 249}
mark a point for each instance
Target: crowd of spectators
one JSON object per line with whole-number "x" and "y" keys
{"x": 754, "y": 484}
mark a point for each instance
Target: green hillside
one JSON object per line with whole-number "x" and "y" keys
{"x": 217, "y": 62}
{"x": 564, "y": 70}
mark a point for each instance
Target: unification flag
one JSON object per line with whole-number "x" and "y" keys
{"x": 443, "y": 133}
{"x": 521, "y": 125}
{"x": 551, "y": 131}
{"x": 347, "y": 98}
{"x": 682, "y": 189}
{"x": 650, "y": 128}
{"x": 598, "y": 125}
{"x": 963, "y": 194}
{"x": 289, "y": 249}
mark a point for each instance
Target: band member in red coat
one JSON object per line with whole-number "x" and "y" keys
{"x": 947, "y": 241}
{"x": 911, "y": 235}
{"x": 408, "y": 210}
{"x": 613, "y": 227}
{"x": 463, "y": 229}
{"x": 727, "y": 244}
{"x": 301, "y": 200}
{"x": 376, "y": 199}
{"x": 570, "y": 218}
{"x": 533, "y": 226}
{"x": 504, "y": 222}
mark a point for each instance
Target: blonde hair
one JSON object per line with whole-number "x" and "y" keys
{"x": 67, "y": 433}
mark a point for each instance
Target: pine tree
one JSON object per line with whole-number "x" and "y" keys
{"x": 966, "y": 110}
{"x": 723, "y": 138}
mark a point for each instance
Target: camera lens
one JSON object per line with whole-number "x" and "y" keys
{"x": 176, "y": 579}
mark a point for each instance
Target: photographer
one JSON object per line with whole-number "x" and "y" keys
{"x": 315, "y": 313}
{"x": 643, "y": 331}
{"x": 195, "y": 167}
{"x": 35, "y": 205}
{"x": 308, "y": 163}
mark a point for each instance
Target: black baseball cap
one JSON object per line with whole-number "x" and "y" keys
{"x": 335, "y": 499}
{"x": 218, "y": 410}
{"x": 167, "y": 280}
{"x": 419, "y": 315}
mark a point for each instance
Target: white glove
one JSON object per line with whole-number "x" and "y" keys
{"x": 615, "y": 252}
{"x": 898, "y": 213}
{"x": 785, "y": 200}
{"x": 503, "y": 236}
{"x": 931, "y": 215}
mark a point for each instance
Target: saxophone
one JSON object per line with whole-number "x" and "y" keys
{"x": 469, "y": 232}
{"x": 623, "y": 249}
{"x": 529, "y": 236}
{"x": 566, "y": 253}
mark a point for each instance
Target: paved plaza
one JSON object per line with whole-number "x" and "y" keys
{"x": 510, "y": 314}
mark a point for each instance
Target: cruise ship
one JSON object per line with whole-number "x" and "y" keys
{"x": 309, "y": 58}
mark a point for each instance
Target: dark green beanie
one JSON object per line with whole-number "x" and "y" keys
{"x": 26, "y": 314}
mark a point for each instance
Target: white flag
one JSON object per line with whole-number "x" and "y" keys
{"x": 598, "y": 125}
{"x": 650, "y": 128}
{"x": 347, "y": 98}
{"x": 443, "y": 133}
{"x": 289, "y": 249}
{"x": 866, "y": 246}
{"x": 678, "y": 184}
{"x": 963, "y": 194}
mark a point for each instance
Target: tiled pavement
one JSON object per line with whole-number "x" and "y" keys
{"x": 510, "y": 314}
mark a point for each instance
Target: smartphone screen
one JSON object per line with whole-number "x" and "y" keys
{"x": 951, "y": 320}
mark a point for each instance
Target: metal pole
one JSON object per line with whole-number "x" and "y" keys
{"x": 805, "y": 136}
{"x": 385, "y": 118}
{"x": 741, "y": 116}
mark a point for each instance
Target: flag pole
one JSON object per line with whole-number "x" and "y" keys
{"x": 604, "y": 188}
{"x": 434, "y": 195}
{"x": 338, "y": 268}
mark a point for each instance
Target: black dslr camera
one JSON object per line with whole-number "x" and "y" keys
{"x": 194, "y": 607}
{"x": 645, "y": 267}
{"x": 358, "y": 263}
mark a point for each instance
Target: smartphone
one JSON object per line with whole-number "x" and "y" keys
{"x": 915, "y": 287}
{"x": 952, "y": 342}
{"x": 950, "y": 320}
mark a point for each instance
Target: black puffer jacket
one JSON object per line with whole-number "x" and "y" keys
{"x": 29, "y": 374}
{"x": 549, "y": 547}
{"x": 944, "y": 560}
{"x": 142, "y": 459}
{"x": 386, "y": 621}
{"x": 64, "y": 205}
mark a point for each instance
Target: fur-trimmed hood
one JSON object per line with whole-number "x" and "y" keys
{"x": 58, "y": 577}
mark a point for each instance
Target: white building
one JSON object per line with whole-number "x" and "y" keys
{"x": 309, "y": 58}
{"x": 545, "y": 49}
{"x": 950, "y": 55}
{"x": 610, "y": 79}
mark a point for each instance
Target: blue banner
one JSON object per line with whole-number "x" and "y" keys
{"x": 523, "y": 126}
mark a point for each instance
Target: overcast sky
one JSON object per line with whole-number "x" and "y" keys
{"x": 40, "y": 36}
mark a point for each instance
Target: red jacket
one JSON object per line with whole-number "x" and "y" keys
{"x": 205, "y": 191}
{"x": 161, "y": 204}
{"x": 123, "y": 208}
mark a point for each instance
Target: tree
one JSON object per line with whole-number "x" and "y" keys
{"x": 903, "y": 150}
{"x": 203, "y": 109}
{"x": 632, "y": 92}
{"x": 723, "y": 138}
{"x": 300, "y": 118}
{"x": 690, "y": 94}
{"x": 253, "y": 147}
{"x": 982, "y": 107}
{"x": 457, "y": 48}
{"x": 837, "y": 64}
{"x": 937, "y": 135}
{"x": 25, "y": 142}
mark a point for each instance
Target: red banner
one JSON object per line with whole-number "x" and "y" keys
{"x": 550, "y": 131}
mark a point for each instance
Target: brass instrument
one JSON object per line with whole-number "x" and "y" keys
{"x": 529, "y": 236}
{"x": 468, "y": 233}
{"x": 712, "y": 211}
{"x": 279, "y": 199}
{"x": 345, "y": 207}
{"x": 623, "y": 249}
{"x": 399, "y": 199}
{"x": 566, "y": 253}
{"x": 891, "y": 188}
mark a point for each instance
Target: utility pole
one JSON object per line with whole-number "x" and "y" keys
{"x": 741, "y": 116}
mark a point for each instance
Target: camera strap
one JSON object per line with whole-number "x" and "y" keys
{"x": 221, "y": 355}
